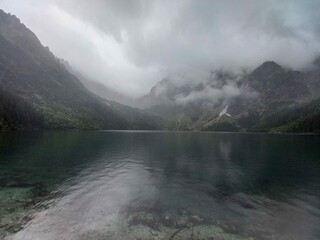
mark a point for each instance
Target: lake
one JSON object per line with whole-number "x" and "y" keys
{"x": 78, "y": 185}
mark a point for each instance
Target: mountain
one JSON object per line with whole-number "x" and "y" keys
{"x": 275, "y": 82}
{"x": 270, "y": 98}
{"x": 51, "y": 97}
{"x": 279, "y": 90}
{"x": 40, "y": 91}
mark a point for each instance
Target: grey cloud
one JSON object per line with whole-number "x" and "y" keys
{"x": 215, "y": 87}
{"x": 110, "y": 16}
{"x": 129, "y": 45}
{"x": 210, "y": 94}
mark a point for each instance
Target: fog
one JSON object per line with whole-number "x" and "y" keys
{"x": 130, "y": 45}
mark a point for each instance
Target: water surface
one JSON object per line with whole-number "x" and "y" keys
{"x": 160, "y": 185}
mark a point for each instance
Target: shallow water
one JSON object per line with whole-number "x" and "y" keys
{"x": 160, "y": 185}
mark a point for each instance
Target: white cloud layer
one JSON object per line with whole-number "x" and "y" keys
{"x": 129, "y": 45}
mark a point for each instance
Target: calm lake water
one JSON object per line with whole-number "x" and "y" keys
{"x": 159, "y": 185}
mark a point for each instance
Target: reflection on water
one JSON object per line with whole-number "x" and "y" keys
{"x": 164, "y": 185}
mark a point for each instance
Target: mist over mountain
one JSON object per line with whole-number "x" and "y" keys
{"x": 254, "y": 69}
{"x": 39, "y": 92}
{"x": 130, "y": 45}
{"x": 238, "y": 101}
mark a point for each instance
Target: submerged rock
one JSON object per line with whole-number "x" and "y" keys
{"x": 13, "y": 210}
{"x": 18, "y": 205}
{"x": 168, "y": 224}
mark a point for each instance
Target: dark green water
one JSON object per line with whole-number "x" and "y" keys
{"x": 160, "y": 185}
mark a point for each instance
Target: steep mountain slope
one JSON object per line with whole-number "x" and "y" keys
{"x": 30, "y": 72}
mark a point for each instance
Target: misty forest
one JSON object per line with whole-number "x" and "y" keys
{"x": 159, "y": 120}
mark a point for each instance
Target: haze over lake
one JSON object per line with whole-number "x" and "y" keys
{"x": 162, "y": 185}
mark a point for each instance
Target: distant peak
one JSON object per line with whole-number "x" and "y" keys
{"x": 270, "y": 64}
{"x": 268, "y": 67}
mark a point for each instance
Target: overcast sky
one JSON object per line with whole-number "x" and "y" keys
{"x": 131, "y": 44}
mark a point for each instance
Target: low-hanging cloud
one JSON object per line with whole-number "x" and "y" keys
{"x": 210, "y": 94}
{"x": 218, "y": 88}
{"x": 129, "y": 45}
